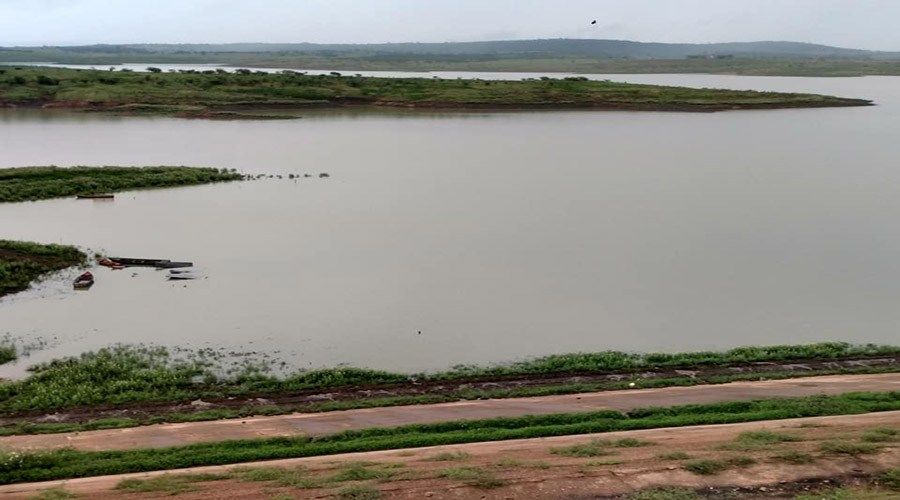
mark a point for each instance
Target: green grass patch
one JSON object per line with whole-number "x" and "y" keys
{"x": 754, "y": 440}
{"x": 472, "y": 476}
{"x": 705, "y": 467}
{"x": 357, "y": 471}
{"x": 675, "y": 455}
{"x": 880, "y": 435}
{"x": 597, "y": 447}
{"x": 890, "y": 479}
{"x": 708, "y": 467}
{"x": 849, "y": 448}
{"x": 602, "y": 463}
{"x": 593, "y": 448}
{"x": 70, "y": 463}
{"x": 794, "y": 457}
{"x": 664, "y": 494}
{"x": 512, "y": 463}
{"x": 37, "y": 183}
{"x": 22, "y": 262}
{"x": 359, "y": 492}
{"x": 54, "y": 494}
{"x": 297, "y": 477}
{"x": 168, "y": 484}
{"x": 450, "y": 456}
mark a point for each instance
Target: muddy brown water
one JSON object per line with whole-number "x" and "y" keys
{"x": 499, "y": 236}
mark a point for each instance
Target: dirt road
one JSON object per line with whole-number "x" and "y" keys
{"x": 330, "y": 422}
{"x": 536, "y": 468}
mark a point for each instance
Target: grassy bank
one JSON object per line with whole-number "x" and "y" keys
{"x": 15, "y": 467}
{"x": 36, "y": 183}
{"x": 201, "y": 93}
{"x": 23, "y": 262}
{"x": 126, "y": 375}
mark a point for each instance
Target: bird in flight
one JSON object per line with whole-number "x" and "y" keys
{"x": 594, "y": 21}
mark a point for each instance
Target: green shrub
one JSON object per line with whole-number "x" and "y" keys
{"x": 880, "y": 435}
{"x": 359, "y": 492}
{"x": 794, "y": 457}
{"x": 472, "y": 476}
{"x": 848, "y": 448}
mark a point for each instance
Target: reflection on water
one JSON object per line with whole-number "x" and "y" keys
{"x": 497, "y": 235}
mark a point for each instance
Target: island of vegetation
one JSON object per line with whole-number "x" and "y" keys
{"x": 37, "y": 183}
{"x": 223, "y": 94}
{"x": 22, "y": 262}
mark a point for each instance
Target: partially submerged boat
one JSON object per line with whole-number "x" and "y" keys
{"x": 173, "y": 265}
{"x": 157, "y": 263}
{"x": 183, "y": 274}
{"x": 128, "y": 261}
{"x": 99, "y": 196}
{"x": 110, "y": 264}
{"x": 85, "y": 280}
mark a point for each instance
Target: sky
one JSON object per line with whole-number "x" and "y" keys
{"x": 865, "y": 24}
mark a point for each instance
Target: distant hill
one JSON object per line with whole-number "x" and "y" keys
{"x": 561, "y": 47}
{"x": 561, "y": 55}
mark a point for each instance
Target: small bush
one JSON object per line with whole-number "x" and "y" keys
{"x": 880, "y": 435}
{"x": 630, "y": 443}
{"x": 705, "y": 467}
{"x": 359, "y": 492}
{"x": 170, "y": 484}
{"x": 890, "y": 479}
{"x": 451, "y": 456}
{"x": 848, "y": 448}
{"x": 760, "y": 439}
{"x": 710, "y": 467}
{"x": 794, "y": 457}
{"x": 472, "y": 476}
{"x": 46, "y": 80}
{"x": 594, "y": 448}
{"x": 358, "y": 471}
{"x": 675, "y": 455}
{"x": 54, "y": 494}
{"x": 664, "y": 494}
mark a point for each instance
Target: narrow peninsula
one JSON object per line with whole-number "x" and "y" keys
{"x": 223, "y": 94}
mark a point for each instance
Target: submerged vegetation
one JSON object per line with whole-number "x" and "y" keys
{"x": 37, "y": 183}
{"x": 67, "y": 463}
{"x": 122, "y": 375}
{"x": 22, "y": 262}
{"x": 205, "y": 93}
{"x": 127, "y": 374}
{"x": 7, "y": 353}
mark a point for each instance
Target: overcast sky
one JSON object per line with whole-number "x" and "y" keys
{"x": 869, "y": 24}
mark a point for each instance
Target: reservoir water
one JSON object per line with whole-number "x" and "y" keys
{"x": 446, "y": 238}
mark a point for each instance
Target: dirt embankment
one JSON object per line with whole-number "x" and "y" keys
{"x": 324, "y": 423}
{"x": 778, "y": 459}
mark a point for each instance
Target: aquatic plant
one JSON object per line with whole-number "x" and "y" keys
{"x": 22, "y": 262}
{"x": 37, "y": 183}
